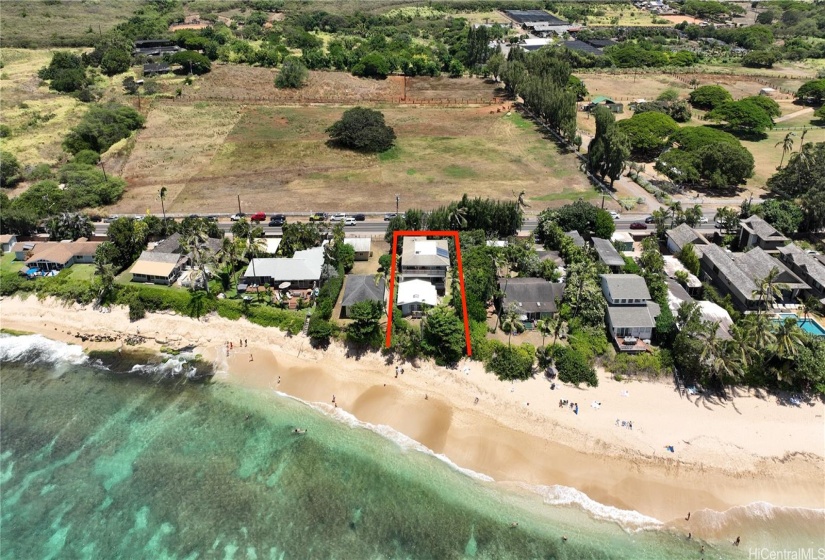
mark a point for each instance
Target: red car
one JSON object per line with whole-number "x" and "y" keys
{"x": 638, "y": 225}
{"x": 258, "y": 217}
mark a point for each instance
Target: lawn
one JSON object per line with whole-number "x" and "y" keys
{"x": 66, "y": 23}
{"x": 277, "y": 158}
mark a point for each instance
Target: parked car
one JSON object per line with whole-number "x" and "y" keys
{"x": 703, "y": 220}
{"x": 258, "y": 217}
{"x": 212, "y": 218}
{"x": 237, "y": 217}
{"x": 389, "y": 216}
{"x": 649, "y": 220}
{"x": 318, "y": 217}
{"x": 360, "y": 217}
{"x": 277, "y": 220}
{"x": 338, "y": 217}
{"x": 615, "y": 215}
{"x": 193, "y": 215}
{"x": 638, "y": 225}
{"x": 349, "y": 221}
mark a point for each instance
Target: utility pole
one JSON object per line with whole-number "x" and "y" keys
{"x": 397, "y": 199}
{"x": 239, "y": 204}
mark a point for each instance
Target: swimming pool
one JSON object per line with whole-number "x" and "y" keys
{"x": 807, "y": 325}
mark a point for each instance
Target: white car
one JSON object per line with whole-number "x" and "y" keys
{"x": 338, "y": 218}
{"x": 703, "y": 220}
{"x": 614, "y": 215}
{"x": 237, "y": 217}
{"x": 349, "y": 221}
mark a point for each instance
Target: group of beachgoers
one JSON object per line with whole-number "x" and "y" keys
{"x": 573, "y": 406}
{"x": 625, "y": 423}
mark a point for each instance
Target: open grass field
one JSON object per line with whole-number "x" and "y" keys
{"x": 40, "y": 23}
{"x": 767, "y": 154}
{"x": 277, "y": 159}
{"x": 39, "y": 118}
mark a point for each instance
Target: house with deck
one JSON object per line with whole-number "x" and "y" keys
{"x": 158, "y": 268}
{"x": 631, "y": 315}
{"x": 362, "y": 287}
{"x": 46, "y": 256}
{"x": 807, "y": 267}
{"x": 303, "y": 271}
{"x": 425, "y": 259}
{"x": 756, "y": 232}
{"x": 533, "y": 298}
{"x": 415, "y": 297}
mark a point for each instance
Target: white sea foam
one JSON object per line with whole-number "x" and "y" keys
{"x": 172, "y": 366}
{"x": 37, "y": 349}
{"x": 629, "y": 520}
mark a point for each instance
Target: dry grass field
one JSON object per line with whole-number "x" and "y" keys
{"x": 277, "y": 159}
{"x": 39, "y": 23}
{"x": 39, "y": 118}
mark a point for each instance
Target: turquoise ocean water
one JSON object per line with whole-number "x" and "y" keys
{"x": 100, "y": 463}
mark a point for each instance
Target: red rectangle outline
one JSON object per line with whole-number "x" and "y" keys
{"x": 391, "y": 301}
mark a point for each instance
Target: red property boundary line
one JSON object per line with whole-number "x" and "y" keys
{"x": 390, "y": 302}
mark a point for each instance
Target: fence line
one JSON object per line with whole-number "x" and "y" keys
{"x": 460, "y": 101}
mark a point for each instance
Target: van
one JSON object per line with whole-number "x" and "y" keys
{"x": 258, "y": 217}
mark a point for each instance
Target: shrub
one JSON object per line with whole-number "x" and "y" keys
{"x": 136, "y": 310}
{"x": 101, "y": 127}
{"x": 512, "y": 362}
{"x": 5, "y": 131}
{"x": 373, "y": 65}
{"x": 573, "y": 367}
{"x": 88, "y": 157}
{"x": 709, "y": 97}
{"x": 191, "y": 61}
{"x": 9, "y": 170}
{"x": 293, "y": 74}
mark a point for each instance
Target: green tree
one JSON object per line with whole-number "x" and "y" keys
{"x": 787, "y": 147}
{"x": 728, "y": 218}
{"x": 115, "y": 61}
{"x": 102, "y": 126}
{"x": 293, "y": 74}
{"x": 511, "y": 362}
{"x": 647, "y": 133}
{"x": 605, "y": 226}
{"x": 70, "y": 226}
{"x": 9, "y": 170}
{"x": 759, "y": 59}
{"x": 510, "y": 322}
{"x": 365, "y": 327}
{"x": 442, "y": 335}
{"x": 608, "y": 151}
{"x": 191, "y": 62}
{"x": 784, "y": 215}
{"x": 709, "y": 97}
{"x": 128, "y": 238}
{"x": 372, "y": 65}
{"x": 804, "y": 173}
{"x": 813, "y": 91}
{"x": 744, "y": 115}
{"x": 362, "y": 129}
{"x": 688, "y": 257}
{"x": 66, "y": 72}
{"x": 573, "y": 367}
{"x": 298, "y": 236}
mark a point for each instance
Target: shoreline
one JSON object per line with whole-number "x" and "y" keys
{"x": 750, "y": 449}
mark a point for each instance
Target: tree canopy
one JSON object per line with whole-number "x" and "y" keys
{"x": 706, "y": 156}
{"x": 814, "y": 91}
{"x": 443, "y": 335}
{"x": 102, "y": 126}
{"x": 9, "y": 170}
{"x": 747, "y": 115}
{"x": 293, "y": 74}
{"x": 608, "y": 150}
{"x": 709, "y": 97}
{"x": 362, "y": 129}
{"x": 647, "y": 133}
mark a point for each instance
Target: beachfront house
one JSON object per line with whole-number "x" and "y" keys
{"x": 756, "y": 232}
{"x": 622, "y": 241}
{"x": 7, "y": 242}
{"x": 709, "y": 311}
{"x": 158, "y": 268}
{"x": 683, "y": 234}
{"x": 425, "y": 259}
{"x": 738, "y": 274}
{"x": 362, "y": 287}
{"x": 807, "y": 267}
{"x": 415, "y": 297}
{"x": 362, "y": 247}
{"x": 631, "y": 315}
{"x": 608, "y": 254}
{"x": 534, "y": 298}
{"x": 302, "y": 271}
{"x": 674, "y": 265}
{"x": 55, "y": 255}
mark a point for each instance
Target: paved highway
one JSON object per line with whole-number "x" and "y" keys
{"x": 376, "y": 227}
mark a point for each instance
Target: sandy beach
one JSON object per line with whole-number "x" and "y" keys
{"x": 726, "y": 454}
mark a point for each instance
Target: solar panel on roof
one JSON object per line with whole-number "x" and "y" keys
{"x": 442, "y": 253}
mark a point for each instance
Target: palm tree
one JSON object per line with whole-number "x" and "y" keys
{"x": 229, "y": 253}
{"x": 105, "y": 272}
{"x": 768, "y": 289}
{"x": 740, "y": 348}
{"x": 458, "y": 217}
{"x": 789, "y": 337}
{"x": 163, "y": 198}
{"x": 787, "y": 147}
{"x": 199, "y": 254}
{"x": 510, "y": 322}
{"x": 547, "y": 326}
{"x": 677, "y": 214}
{"x": 521, "y": 204}
{"x": 759, "y": 330}
{"x": 802, "y": 139}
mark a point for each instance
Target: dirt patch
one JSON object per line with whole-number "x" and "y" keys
{"x": 277, "y": 158}
{"x": 680, "y": 19}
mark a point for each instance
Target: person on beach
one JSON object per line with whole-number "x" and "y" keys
{"x": 426, "y": 397}
{"x": 690, "y": 536}
{"x": 245, "y": 343}
{"x": 250, "y": 357}
{"x": 475, "y": 401}
{"x": 333, "y": 399}
{"x": 688, "y": 517}
{"x": 737, "y": 541}
{"x": 279, "y": 380}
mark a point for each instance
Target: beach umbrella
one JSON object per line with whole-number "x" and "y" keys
{"x": 284, "y": 285}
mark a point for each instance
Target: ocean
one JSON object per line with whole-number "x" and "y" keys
{"x": 125, "y": 456}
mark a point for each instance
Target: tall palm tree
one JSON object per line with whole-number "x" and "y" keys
{"x": 789, "y": 338}
{"x": 229, "y": 254}
{"x": 768, "y": 289}
{"x": 105, "y": 272}
{"x": 740, "y": 347}
{"x": 787, "y": 147}
{"x": 547, "y": 326}
{"x": 677, "y": 214}
{"x": 162, "y": 199}
{"x": 199, "y": 254}
{"x": 458, "y": 217}
{"x": 510, "y": 322}
{"x": 802, "y": 139}
{"x": 521, "y": 203}
{"x": 759, "y": 329}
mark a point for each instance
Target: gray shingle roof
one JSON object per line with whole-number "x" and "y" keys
{"x": 362, "y": 287}
{"x": 683, "y": 234}
{"x": 757, "y": 264}
{"x": 578, "y": 240}
{"x": 532, "y": 295}
{"x": 628, "y": 316}
{"x": 626, "y": 286}
{"x": 714, "y": 255}
{"x": 761, "y": 228}
{"x": 154, "y": 256}
{"x": 607, "y": 252}
{"x": 812, "y": 266}
{"x": 169, "y": 245}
